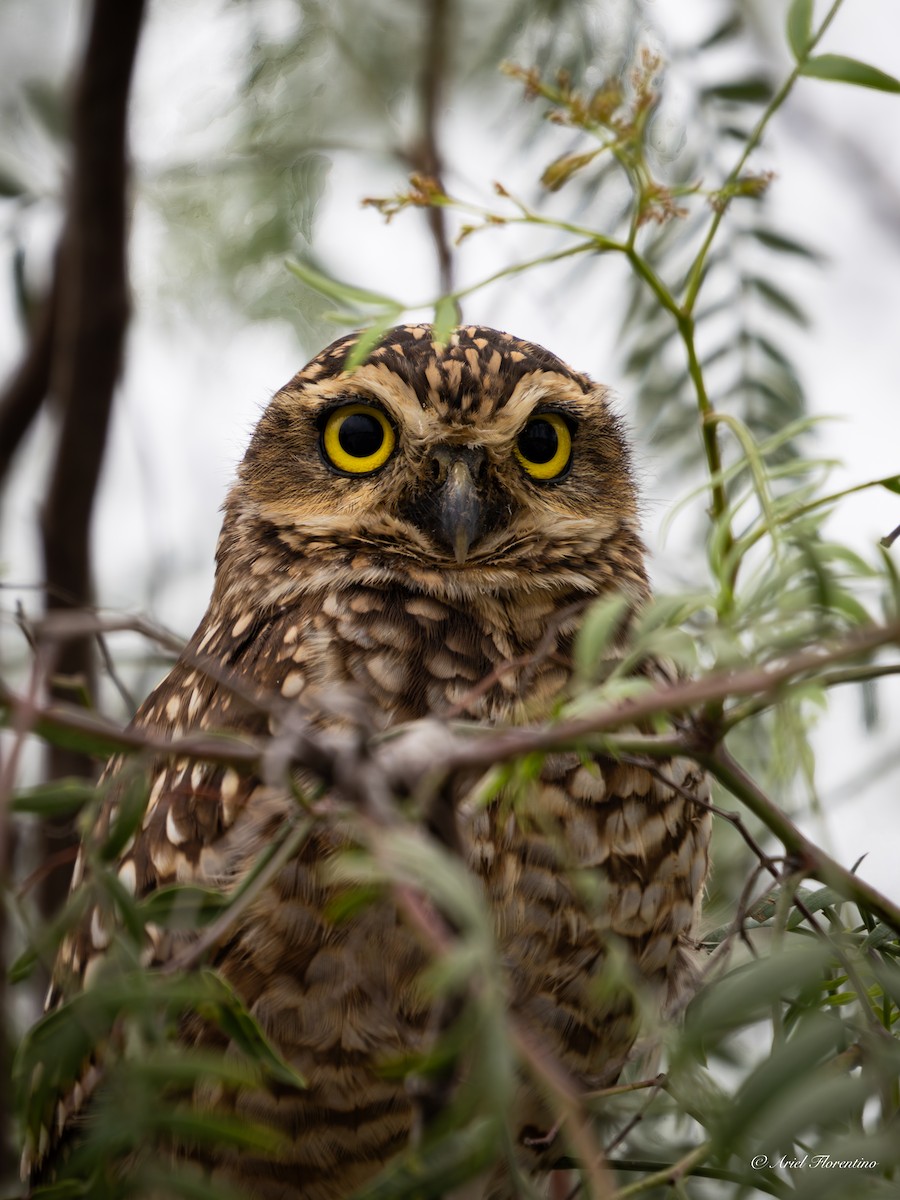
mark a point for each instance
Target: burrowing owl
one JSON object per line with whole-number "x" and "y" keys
{"x": 420, "y": 537}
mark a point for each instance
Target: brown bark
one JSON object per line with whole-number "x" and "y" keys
{"x": 92, "y": 311}
{"x": 426, "y": 155}
{"x": 29, "y": 385}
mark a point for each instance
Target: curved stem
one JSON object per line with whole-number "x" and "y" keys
{"x": 695, "y": 275}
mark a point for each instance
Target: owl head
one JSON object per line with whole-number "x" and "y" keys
{"x": 483, "y": 463}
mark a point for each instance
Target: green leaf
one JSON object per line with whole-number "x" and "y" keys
{"x": 65, "y": 1189}
{"x": 181, "y": 1066}
{"x": 446, "y": 317}
{"x": 370, "y": 337}
{"x": 881, "y": 935}
{"x": 729, "y": 28}
{"x": 602, "y": 622}
{"x": 344, "y": 293}
{"x": 22, "y": 967}
{"x": 747, "y": 993}
{"x": 753, "y": 90}
{"x": 214, "y": 1128}
{"x": 841, "y": 69}
{"x": 790, "y": 1093}
{"x": 183, "y": 906}
{"x": 799, "y": 26}
{"x": 561, "y": 170}
{"x": 786, "y": 245}
{"x": 108, "y": 882}
{"x": 814, "y": 902}
{"x": 10, "y": 185}
{"x": 59, "y": 798}
{"x": 158, "y": 1182}
{"x": 892, "y": 484}
{"x": 431, "y": 1170}
{"x": 50, "y": 104}
{"x": 778, "y": 299}
{"x": 223, "y": 1005}
{"x": 130, "y": 806}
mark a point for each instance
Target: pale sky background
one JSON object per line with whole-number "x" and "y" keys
{"x": 193, "y": 388}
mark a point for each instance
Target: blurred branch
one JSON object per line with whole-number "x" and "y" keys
{"x": 29, "y": 386}
{"x": 91, "y": 315}
{"x": 666, "y": 1172}
{"x": 425, "y": 157}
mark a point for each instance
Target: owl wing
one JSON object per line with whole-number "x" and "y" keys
{"x": 178, "y": 821}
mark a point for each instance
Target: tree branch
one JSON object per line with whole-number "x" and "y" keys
{"x": 425, "y": 156}
{"x": 408, "y": 756}
{"x": 670, "y": 699}
{"x": 811, "y": 861}
{"x": 90, "y": 318}
{"x": 28, "y": 388}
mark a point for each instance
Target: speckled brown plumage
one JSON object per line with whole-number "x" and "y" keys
{"x": 330, "y": 585}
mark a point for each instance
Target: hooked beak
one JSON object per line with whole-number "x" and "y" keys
{"x": 459, "y": 509}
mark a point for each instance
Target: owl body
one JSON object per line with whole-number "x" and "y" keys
{"x": 445, "y": 578}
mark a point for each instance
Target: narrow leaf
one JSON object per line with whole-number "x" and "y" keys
{"x": 345, "y": 293}
{"x": 777, "y": 241}
{"x": 370, "y": 337}
{"x": 183, "y": 906}
{"x": 729, "y": 28}
{"x": 756, "y": 90}
{"x": 131, "y": 804}
{"x": 223, "y": 1005}
{"x": 65, "y": 1189}
{"x": 604, "y": 620}
{"x": 778, "y": 299}
{"x": 433, "y": 1169}
{"x": 59, "y": 798}
{"x": 9, "y": 185}
{"x": 446, "y": 316}
{"x": 842, "y": 69}
{"x": 799, "y": 26}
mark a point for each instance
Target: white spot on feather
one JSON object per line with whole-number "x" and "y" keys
{"x": 99, "y": 933}
{"x": 241, "y": 624}
{"x": 293, "y": 684}
{"x": 128, "y": 876}
{"x": 388, "y": 671}
{"x": 175, "y": 834}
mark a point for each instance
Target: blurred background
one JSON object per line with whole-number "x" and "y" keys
{"x": 257, "y": 129}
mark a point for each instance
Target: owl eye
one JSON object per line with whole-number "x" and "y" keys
{"x": 357, "y": 439}
{"x": 544, "y": 447}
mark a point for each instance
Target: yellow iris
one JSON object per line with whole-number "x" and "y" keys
{"x": 358, "y": 439}
{"x": 544, "y": 447}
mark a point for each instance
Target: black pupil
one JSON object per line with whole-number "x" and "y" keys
{"x": 538, "y": 441}
{"x": 360, "y": 435}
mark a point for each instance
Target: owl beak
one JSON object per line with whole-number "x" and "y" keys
{"x": 459, "y": 509}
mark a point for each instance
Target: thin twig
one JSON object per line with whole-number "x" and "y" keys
{"x": 426, "y": 156}
{"x": 811, "y": 860}
{"x": 669, "y": 699}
